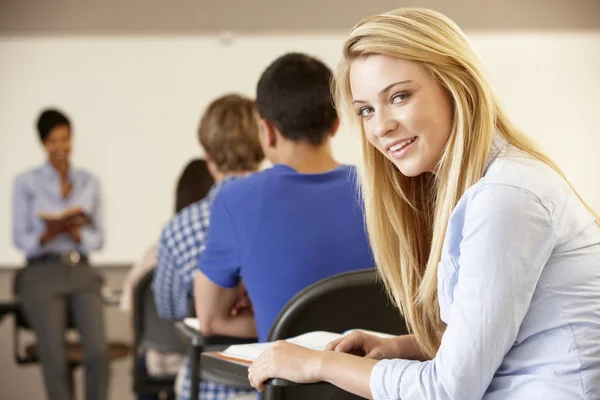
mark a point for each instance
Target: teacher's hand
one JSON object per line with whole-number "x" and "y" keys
{"x": 53, "y": 229}
{"x": 75, "y": 232}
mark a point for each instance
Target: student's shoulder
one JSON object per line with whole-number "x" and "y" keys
{"x": 185, "y": 219}
{"x": 253, "y": 186}
{"x": 350, "y": 172}
{"x": 520, "y": 176}
{"x": 246, "y": 186}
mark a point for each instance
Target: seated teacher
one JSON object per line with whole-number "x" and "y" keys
{"x": 56, "y": 223}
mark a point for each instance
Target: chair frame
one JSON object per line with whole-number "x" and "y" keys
{"x": 144, "y": 383}
{"x": 286, "y": 324}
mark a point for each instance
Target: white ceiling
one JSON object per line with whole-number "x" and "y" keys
{"x": 270, "y": 16}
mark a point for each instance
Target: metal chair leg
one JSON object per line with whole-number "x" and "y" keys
{"x": 72, "y": 381}
{"x": 195, "y": 351}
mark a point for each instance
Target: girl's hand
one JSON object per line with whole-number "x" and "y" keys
{"x": 369, "y": 346}
{"x": 287, "y": 361}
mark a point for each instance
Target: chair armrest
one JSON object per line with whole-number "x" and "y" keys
{"x": 190, "y": 333}
{"x": 200, "y": 343}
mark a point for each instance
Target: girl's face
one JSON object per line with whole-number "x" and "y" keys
{"x": 406, "y": 113}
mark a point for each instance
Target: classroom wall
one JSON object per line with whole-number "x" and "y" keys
{"x": 135, "y": 103}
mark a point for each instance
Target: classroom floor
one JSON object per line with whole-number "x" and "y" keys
{"x": 21, "y": 383}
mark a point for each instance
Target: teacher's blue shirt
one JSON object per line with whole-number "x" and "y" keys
{"x": 38, "y": 191}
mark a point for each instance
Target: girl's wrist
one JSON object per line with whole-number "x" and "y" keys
{"x": 320, "y": 362}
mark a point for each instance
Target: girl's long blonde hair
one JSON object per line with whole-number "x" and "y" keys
{"x": 407, "y": 217}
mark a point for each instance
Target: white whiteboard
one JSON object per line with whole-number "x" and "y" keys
{"x": 135, "y": 103}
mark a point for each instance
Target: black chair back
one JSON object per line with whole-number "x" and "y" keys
{"x": 150, "y": 330}
{"x": 351, "y": 300}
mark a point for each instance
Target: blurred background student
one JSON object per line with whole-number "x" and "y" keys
{"x": 228, "y": 133}
{"x": 193, "y": 185}
{"x": 58, "y": 280}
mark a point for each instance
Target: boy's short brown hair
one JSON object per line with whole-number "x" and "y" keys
{"x": 229, "y": 134}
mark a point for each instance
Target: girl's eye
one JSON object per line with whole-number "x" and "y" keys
{"x": 400, "y": 97}
{"x": 365, "y": 111}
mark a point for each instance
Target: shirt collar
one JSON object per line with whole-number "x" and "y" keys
{"x": 48, "y": 170}
{"x": 217, "y": 186}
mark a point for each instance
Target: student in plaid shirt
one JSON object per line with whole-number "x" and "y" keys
{"x": 228, "y": 133}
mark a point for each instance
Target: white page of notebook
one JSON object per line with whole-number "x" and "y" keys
{"x": 313, "y": 340}
{"x": 317, "y": 340}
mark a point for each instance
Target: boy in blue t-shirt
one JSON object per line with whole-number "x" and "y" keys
{"x": 287, "y": 227}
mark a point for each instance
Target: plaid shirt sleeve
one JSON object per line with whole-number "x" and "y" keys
{"x": 164, "y": 280}
{"x": 166, "y": 285}
{"x": 182, "y": 241}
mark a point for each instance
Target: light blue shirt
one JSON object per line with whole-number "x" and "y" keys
{"x": 39, "y": 191}
{"x": 519, "y": 290}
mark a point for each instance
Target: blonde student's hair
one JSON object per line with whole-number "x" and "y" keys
{"x": 407, "y": 217}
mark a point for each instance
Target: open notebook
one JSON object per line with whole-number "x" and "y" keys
{"x": 317, "y": 340}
